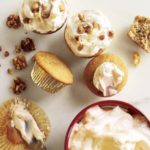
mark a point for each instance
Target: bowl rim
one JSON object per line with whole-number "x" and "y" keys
{"x": 106, "y": 103}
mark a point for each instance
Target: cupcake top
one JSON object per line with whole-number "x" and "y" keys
{"x": 43, "y": 16}
{"x": 54, "y": 66}
{"x": 88, "y": 33}
{"x": 107, "y": 77}
{"x": 106, "y": 74}
{"x": 113, "y": 129}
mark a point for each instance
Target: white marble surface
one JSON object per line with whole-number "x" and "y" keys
{"x": 64, "y": 105}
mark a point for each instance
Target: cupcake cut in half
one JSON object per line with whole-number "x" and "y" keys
{"x": 50, "y": 73}
{"x": 88, "y": 33}
{"x": 43, "y": 16}
{"x": 21, "y": 122}
{"x": 106, "y": 75}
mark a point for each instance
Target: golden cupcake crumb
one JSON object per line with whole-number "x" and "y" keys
{"x": 136, "y": 58}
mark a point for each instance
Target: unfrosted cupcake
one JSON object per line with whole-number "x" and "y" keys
{"x": 88, "y": 33}
{"x": 21, "y": 122}
{"x": 43, "y": 16}
{"x": 106, "y": 75}
{"x": 50, "y": 73}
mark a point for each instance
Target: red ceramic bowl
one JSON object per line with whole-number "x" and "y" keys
{"x": 109, "y": 104}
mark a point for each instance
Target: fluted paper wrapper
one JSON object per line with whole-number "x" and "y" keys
{"x": 10, "y": 138}
{"x": 44, "y": 80}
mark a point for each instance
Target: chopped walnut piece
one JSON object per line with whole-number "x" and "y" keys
{"x": 35, "y": 7}
{"x": 96, "y": 25}
{"x": 77, "y": 38}
{"x": 80, "y": 30}
{"x": 136, "y": 58}
{"x": 9, "y": 71}
{"x": 13, "y": 21}
{"x": 81, "y": 17}
{"x": 18, "y": 86}
{"x": 6, "y": 54}
{"x": 27, "y": 45}
{"x": 101, "y": 37}
{"x": 88, "y": 29}
{"x": 17, "y": 49}
{"x": 19, "y": 62}
{"x": 27, "y": 20}
{"x": 110, "y": 34}
{"x": 61, "y": 8}
{"x": 80, "y": 47}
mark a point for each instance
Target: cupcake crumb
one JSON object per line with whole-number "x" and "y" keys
{"x": 18, "y": 86}
{"x": 27, "y": 45}
{"x": 136, "y": 58}
{"x": 17, "y": 49}
{"x": 10, "y": 71}
{"x": 19, "y": 62}
{"x": 6, "y": 54}
{"x": 13, "y": 21}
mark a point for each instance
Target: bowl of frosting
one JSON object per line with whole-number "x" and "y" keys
{"x": 109, "y": 125}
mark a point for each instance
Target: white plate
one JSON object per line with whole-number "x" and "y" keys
{"x": 64, "y": 105}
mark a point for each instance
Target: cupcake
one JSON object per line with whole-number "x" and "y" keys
{"x": 106, "y": 75}
{"x": 50, "y": 73}
{"x": 102, "y": 126}
{"x": 88, "y": 33}
{"x": 43, "y": 16}
{"x": 21, "y": 123}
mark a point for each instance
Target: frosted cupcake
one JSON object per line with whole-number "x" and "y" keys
{"x": 21, "y": 123}
{"x": 88, "y": 33}
{"x": 50, "y": 72}
{"x": 43, "y": 16}
{"x": 106, "y": 75}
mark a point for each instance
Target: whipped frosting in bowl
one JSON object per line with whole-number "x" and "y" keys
{"x": 88, "y": 33}
{"x": 107, "y": 77}
{"x": 109, "y": 125}
{"x": 43, "y": 16}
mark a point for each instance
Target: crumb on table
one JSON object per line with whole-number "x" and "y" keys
{"x": 136, "y": 58}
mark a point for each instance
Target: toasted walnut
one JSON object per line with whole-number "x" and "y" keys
{"x": 96, "y": 25}
{"x": 80, "y": 30}
{"x": 136, "y": 58}
{"x": 61, "y": 8}
{"x": 88, "y": 29}
{"x": 35, "y": 7}
{"x": 19, "y": 62}
{"x": 101, "y": 37}
{"x": 13, "y": 21}
{"x": 18, "y": 86}
{"x": 81, "y": 17}
{"x": 27, "y": 45}
{"x": 110, "y": 34}
{"x": 6, "y": 54}
{"x": 27, "y": 20}
{"x": 80, "y": 47}
{"x": 76, "y": 38}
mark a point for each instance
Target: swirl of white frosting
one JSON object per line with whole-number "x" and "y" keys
{"x": 88, "y": 32}
{"x": 107, "y": 77}
{"x": 109, "y": 130}
{"x": 43, "y": 16}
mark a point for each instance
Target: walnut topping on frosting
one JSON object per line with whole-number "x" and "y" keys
{"x": 61, "y": 7}
{"x": 101, "y": 37}
{"x": 81, "y": 17}
{"x": 80, "y": 47}
{"x": 110, "y": 34}
{"x": 35, "y": 7}
{"x": 96, "y": 25}
{"x": 27, "y": 20}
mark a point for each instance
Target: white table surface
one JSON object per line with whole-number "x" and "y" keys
{"x": 64, "y": 105}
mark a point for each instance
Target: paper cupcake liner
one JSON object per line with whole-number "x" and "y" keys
{"x": 44, "y": 80}
{"x": 10, "y": 138}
